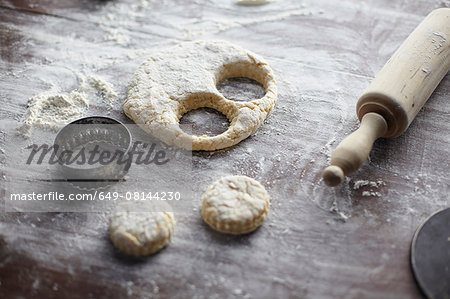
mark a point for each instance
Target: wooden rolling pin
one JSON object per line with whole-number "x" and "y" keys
{"x": 393, "y": 99}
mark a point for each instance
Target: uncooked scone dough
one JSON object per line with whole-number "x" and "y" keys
{"x": 140, "y": 230}
{"x": 235, "y": 205}
{"x": 183, "y": 78}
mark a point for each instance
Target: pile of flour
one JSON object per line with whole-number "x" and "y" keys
{"x": 52, "y": 109}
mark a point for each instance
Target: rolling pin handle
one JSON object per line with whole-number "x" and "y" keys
{"x": 354, "y": 150}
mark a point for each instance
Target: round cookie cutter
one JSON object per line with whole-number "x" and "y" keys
{"x": 105, "y": 134}
{"x": 184, "y": 78}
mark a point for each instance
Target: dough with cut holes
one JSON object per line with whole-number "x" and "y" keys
{"x": 175, "y": 81}
{"x": 141, "y": 228}
{"x": 235, "y": 205}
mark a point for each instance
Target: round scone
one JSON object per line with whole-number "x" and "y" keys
{"x": 177, "y": 80}
{"x": 140, "y": 233}
{"x": 235, "y": 205}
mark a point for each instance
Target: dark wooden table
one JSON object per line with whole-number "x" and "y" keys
{"x": 324, "y": 54}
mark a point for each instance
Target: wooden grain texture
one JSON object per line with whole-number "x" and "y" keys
{"x": 323, "y": 61}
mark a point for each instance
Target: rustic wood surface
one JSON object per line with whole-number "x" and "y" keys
{"x": 324, "y": 54}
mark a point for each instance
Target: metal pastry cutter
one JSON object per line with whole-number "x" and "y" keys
{"x": 79, "y": 147}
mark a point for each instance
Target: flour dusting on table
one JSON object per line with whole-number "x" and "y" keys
{"x": 253, "y": 2}
{"x": 52, "y": 110}
{"x": 105, "y": 88}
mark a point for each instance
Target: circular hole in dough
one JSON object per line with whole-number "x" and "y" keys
{"x": 204, "y": 121}
{"x": 241, "y": 89}
{"x": 235, "y": 205}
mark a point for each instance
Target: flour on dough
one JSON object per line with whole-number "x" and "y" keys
{"x": 138, "y": 228}
{"x": 175, "y": 81}
{"x": 235, "y": 205}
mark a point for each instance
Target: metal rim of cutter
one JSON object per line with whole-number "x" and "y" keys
{"x": 102, "y": 172}
{"x": 430, "y": 255}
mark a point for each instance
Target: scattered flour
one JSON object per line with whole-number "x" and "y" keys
{"x": 334, "y": 209}
{"x": 371, "y": 184}
{"x": 195, "y": 31}
{"x": 361, "y": 183}
{"x": 120, "y": 16}
{"x": 253, "y": 2}
{"x": 343, "y": 216}
{"x": 52, "y": 110}
{"x": 270, "y": 18}
{"x": 117, "y": 35}
{"x": 326, "y": 149}
{"x": 113, "y": 25}
{"x": 105, "y": 88}
{"x": 371, "y": 193}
